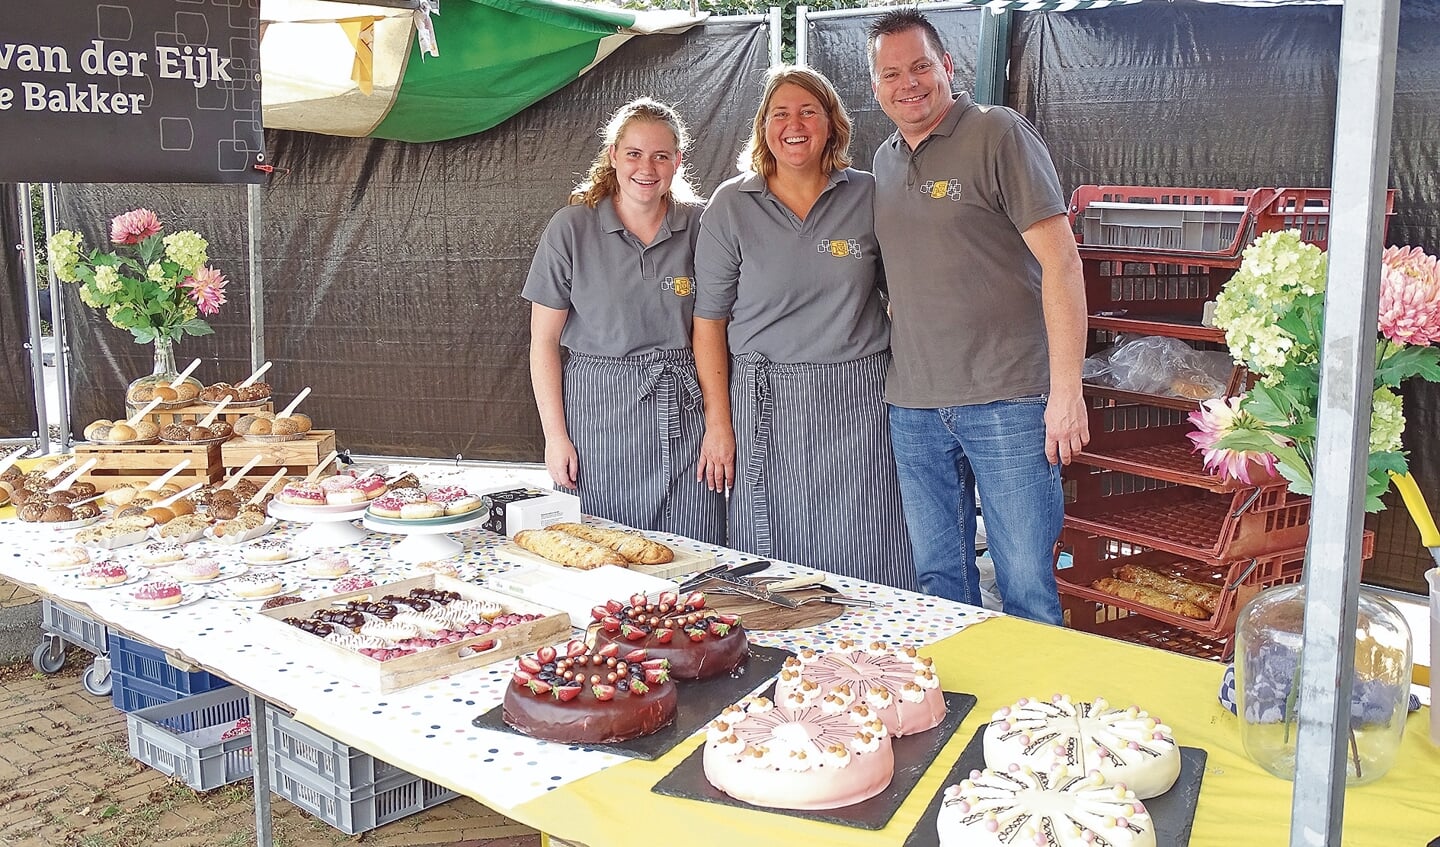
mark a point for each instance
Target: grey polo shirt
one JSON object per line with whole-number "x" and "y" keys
{"x": 964, "y": 288}
{"x": 624, "y": 298}
{"x": 795, "y": 291}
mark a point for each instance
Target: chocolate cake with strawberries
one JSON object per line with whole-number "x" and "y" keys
{"x": 575, "y": 695}
{"x": 699, "y": 642}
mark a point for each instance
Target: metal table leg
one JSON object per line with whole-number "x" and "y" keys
{"x": 260, "y": 755}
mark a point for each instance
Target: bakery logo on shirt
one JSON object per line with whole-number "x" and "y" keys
{"x": 939, "y": 189}
{"x": 839, "y": 248}
{"x": 681, "y": 285}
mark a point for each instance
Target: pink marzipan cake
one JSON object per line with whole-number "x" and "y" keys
{"x": 898, "y": 684}
{"x": 790, "y": 755}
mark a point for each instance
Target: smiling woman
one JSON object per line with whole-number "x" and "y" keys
{"x": 612, "y": 283}
{"x": 792, "y": 345}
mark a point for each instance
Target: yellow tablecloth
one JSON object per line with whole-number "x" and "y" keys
{"x": 1001, "y": 661}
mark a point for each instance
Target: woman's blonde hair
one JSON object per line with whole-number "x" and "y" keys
{"x": 757, "y": 158}
{"x": 601, "y": 182}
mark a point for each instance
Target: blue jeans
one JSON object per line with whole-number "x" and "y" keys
{"x": 942, "y": 455}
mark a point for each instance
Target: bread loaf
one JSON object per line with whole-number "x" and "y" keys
{"x": 1205, "y": 596}
{"x": 568, "y": 550}
{"x": 1150, "y": 597}
{"x": 636, "y": 548}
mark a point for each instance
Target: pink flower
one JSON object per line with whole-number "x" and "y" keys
{"x": 207, "y": 289}
{"x": 134, "y": 226}
{"x": 1215, "y": 420}
{"x": 1409, "y": 296}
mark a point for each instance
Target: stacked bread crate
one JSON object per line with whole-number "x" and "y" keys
{"x": 1163, "y": 552}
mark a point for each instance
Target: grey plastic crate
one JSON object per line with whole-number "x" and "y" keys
{"x": 1157, "y": 226}
{"x": 359, "y": 809}
{"x": 74, "y": 626}
{"x": 316, "y": 753}
{"x": 182, "y": 739}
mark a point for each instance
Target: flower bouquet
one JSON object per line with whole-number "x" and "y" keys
{"x": 155, "y": 286}
{"x": 1272, "y": 313}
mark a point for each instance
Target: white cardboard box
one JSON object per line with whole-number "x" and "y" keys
{"x": 576, "y": 592}
{"x": 514, "y": 509}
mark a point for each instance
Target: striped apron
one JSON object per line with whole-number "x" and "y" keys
{"x": 815, "y": 479}
{"x": 637, "y": 423}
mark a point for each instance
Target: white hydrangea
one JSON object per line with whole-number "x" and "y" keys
{"x": 1387, "y": 421}
{"x": 1277, "y": 268}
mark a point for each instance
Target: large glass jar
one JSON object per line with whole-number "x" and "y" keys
{"x": 140, "y": 392}
{"x": 1267, "y": 682}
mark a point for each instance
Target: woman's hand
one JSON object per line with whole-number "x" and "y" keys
{"x": 716, "y": 467}
{"x": 561, "y": 462}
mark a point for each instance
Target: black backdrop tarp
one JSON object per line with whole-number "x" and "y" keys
{"x": 17, "y": 390}
{"x": 392, "y": 271}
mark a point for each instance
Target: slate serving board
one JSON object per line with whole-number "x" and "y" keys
{"x": 913, "y": 756}
{"x": 1173, "y": 811}
{"x": 698, "y": 702}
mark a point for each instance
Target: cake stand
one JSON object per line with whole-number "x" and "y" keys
{"x": 427, "y": 542}
{"x": 330, "y": 526}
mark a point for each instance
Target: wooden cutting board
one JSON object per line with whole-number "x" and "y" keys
{"x": 686, "y": 561}
{"x": 760, "y": 615}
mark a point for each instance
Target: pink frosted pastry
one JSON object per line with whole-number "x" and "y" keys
{"x": 101, "y": 574}
{"x": 196, "y": 570}
{"x": 327, "y": 565}
{"x": 372, "y": 486}
{"x": 356, "y": 582}
{"x": 337, "y": 483}
{"x": 388, "y": 506}
{"x": 302, "y": 494}
{"x": 157, "y": 594}
{"x": 447, "y": 493}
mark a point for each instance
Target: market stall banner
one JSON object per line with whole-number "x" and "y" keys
{"x": 131, "y": 91}
{"x": 376, "y": 72}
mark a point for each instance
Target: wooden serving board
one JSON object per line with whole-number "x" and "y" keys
{"x": 686, "y": 561}
{"x": 425, "y": 665}
{"x": 760, "y": 615}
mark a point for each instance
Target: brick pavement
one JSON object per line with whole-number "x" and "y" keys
{"x": 67, "y": 780}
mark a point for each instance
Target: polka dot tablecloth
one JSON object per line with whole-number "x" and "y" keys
{"x": 426, "y": 728}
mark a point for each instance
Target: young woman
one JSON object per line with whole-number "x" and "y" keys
{"x": 612, "y": 282}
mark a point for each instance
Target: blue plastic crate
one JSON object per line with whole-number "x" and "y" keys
{"x": 129, "y": 694}
{"x": 140, "y": 662}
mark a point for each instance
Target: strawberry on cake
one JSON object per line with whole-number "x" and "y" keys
{"x": 797, "y": 755}
{"x": 575, "y": 696}
{"x": 699, "y": 642}
{"x": 899, "y": 685}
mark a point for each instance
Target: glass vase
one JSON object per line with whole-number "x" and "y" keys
{"x": 1267, "y": 682}
{"x": 140, "y": 392}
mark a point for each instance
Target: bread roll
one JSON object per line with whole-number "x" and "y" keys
{"x": 568, "y": 550}
{"x": 1205, "y": 596}
{"x": 636, "y": 548}
{"x": 1150, "y": 597}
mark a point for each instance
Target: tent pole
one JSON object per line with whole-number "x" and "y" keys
{"x": 253, "y": 202}
{"x": 802, "y": 35}
{"x": 777, "y": 37}
{"x": 1364, "y": 101}
{"x": 59, "y": 329}
{"x": 992, "y": 62}
{"x": 32, "y": 302}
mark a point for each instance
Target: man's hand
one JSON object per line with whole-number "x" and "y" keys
{"x": 1067, "y": 426}
{"x": 716, "y": 467}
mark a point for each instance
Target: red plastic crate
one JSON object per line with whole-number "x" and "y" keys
{"x": 1210, "y": 225}
{"x": 1150, "y": 441}
{"x": 1122, "y": 625}
{"x": 1190, "y": 522}
{"x": 1094, "y": 558}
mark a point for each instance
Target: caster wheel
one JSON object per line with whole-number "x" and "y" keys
{"x": 45, "y": 661}
{"x": 95, "y": 682}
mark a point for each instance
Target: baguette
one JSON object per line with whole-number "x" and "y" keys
{"x": 636, "y": 548}
{"x": 1150, "y": 597}
{"x": 1205, "y": 596}
{"x": 568, "y": 550}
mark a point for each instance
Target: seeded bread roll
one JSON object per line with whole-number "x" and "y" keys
{"x": 636, "y": 548}
{"x": 569, "y": 550}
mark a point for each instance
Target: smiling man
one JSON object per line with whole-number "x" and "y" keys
{"x": 988, "y": 305}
